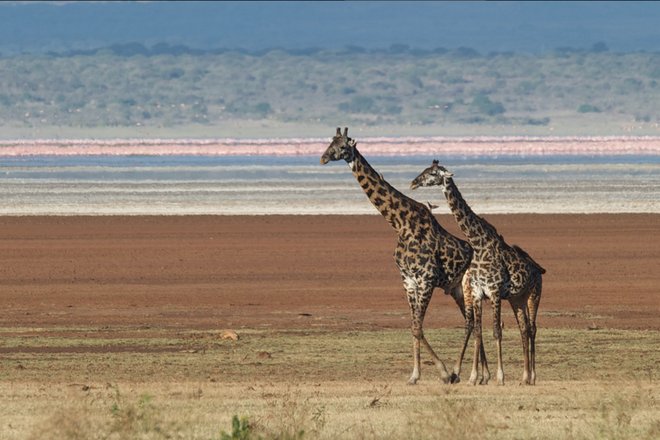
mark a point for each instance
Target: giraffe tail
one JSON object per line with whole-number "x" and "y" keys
{"x": 526, "y": 255}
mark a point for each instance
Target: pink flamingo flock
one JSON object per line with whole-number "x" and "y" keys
{"x": 383, "y": 146}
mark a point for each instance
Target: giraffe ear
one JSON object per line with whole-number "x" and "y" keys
{"x": 352, "y": 143}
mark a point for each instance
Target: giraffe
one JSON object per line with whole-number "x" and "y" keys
{"x": 497, "y": 271}
{"x": 426, "y": 254}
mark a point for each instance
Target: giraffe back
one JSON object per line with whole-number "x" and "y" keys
{"x": 524, "y": 272}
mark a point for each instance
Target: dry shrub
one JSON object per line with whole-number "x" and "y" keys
{"x": 628, "y": 416}
{"x": 451, "y": 417}
{"x": 291, "y": 417}
{"x": 120, "y": 419}
{"x": 72, "y": 422}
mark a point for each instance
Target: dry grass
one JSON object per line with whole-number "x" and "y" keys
{"x": 160, "y": 383}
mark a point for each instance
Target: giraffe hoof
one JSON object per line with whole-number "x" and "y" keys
{"x": 484, "y": 381}
{"x": 411, "y": 381}
{"x": 455, "y": 378}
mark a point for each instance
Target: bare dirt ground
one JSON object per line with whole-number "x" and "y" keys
{"x": 280, "y": 272}
{"x": 111, "y": 328}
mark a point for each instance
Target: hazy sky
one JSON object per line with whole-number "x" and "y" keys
{"x": 485, "y": 26}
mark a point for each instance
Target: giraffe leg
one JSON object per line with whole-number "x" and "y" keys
{"x": 497, "y": 333}
{"x": 418, "y": 331}
{"x": 533, "y": 307}
{"x": 419, "y": 302}
{"x": 444, "y": 374}
{"x": 520, "y": 312}
{"x": 419, "y": 338}
{"x": 477, "y": 340}
{"x": 412, "y": 301}
{"x": 466, "y": 306}
{"x": 485, "y": 372}
{"x": 414, "y": 377}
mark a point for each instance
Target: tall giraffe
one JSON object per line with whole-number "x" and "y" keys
{"x": 426, "y": 254}
{"x": 497, "y": 271}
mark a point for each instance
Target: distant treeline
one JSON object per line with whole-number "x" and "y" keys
{"x": 135, "y": 48}
{"x": 164, "y": 85}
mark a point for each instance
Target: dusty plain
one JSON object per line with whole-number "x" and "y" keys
{"x": 111, "y": 327}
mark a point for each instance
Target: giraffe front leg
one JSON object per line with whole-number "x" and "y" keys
{"x": 425, "y": 292}
{"x": 444, "y": 374}
{"x": 414, "y": 377}
{"x": 532, "y": 354}
{"x": 420, "y": 339}
{"x": 419, "y": 301}
{"x": 477, "y": 341}
{"x": 497, "y": 333}
{"x": 469, "y": 326}
{"x": 415, "y": 327}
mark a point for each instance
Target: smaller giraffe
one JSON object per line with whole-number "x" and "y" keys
{"x": 497, "y": 271}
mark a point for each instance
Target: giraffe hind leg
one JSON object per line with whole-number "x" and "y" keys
{"x": 485, "y": 372}
{"x": 463, "y": 297}
{"x": 533, "y": 308}
{"x": 520, "y": 312}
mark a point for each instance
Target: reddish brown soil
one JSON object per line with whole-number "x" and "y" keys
{"x": 325, "y": 272}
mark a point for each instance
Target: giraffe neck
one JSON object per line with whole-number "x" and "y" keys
{"x": 391, "y": 203}
{"x": 478, "y": 231}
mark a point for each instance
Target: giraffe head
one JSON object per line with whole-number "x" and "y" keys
{"x": 435, "y": 175}
{"x": 341, "y": 147}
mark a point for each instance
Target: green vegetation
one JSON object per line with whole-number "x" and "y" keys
{"x": 137, "y": 87}
{"x": 240, "y": 430}
{"x": 588, "y": 108}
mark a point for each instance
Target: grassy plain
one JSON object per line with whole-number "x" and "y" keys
{"x": 115, "y": 382}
